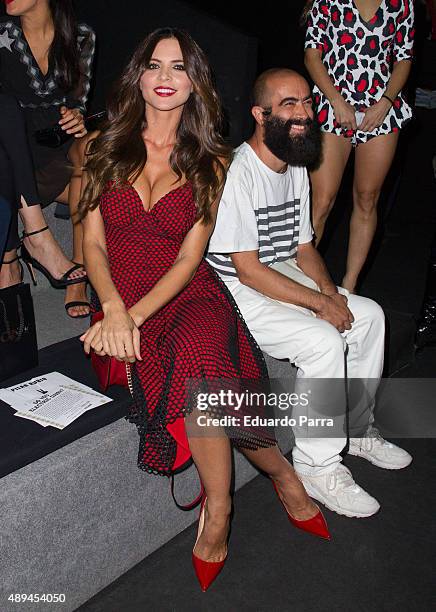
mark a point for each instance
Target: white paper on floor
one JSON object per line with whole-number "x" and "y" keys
{"x": 52, "y": 399}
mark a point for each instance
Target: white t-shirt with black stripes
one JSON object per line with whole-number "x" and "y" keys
{"x": 260, "y": 210}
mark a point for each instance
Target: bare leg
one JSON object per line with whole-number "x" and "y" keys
{"x": 71, "y": 196}
{"x": 42, "y": 246}
{"x": 17, "y": 177}
{"x": 293, "y": 493}
{"x": 326, "y": 180}
{"x": 213, "y": 461}
{"x": 10, "y": 274}
{"x": 373, "y": 160}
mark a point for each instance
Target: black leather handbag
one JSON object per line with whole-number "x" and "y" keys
{"x": 18, "y": 346}
{"x": 54, "y": 136}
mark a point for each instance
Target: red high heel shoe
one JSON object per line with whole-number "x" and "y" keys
{"x": 206, "y": 571}
{"x": 316, "y": 525}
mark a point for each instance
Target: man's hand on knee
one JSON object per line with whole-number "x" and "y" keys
{"x": 334, "y": 309}
{"x": 342, "y": 300}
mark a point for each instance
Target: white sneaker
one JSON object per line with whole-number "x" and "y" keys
{"x": 338, "y": 492}
{"x": 379, "y": 452}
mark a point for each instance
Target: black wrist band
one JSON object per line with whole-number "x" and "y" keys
{"x": 388, "y": 98}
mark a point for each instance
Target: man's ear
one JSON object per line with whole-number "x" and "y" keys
{"x": 257, "y": 112}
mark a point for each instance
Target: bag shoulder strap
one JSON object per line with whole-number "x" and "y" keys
{"x": 191, "y": 504}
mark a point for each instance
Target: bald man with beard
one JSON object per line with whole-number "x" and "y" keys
{"x": 262, "y": 249}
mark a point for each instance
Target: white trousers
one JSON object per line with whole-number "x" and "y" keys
{"x": 318, "y": 350}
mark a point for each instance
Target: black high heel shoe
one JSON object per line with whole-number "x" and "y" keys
{"x": 31, "y": 263}
{"x": 69, "y": 305}
{"x": 6, "y": 263}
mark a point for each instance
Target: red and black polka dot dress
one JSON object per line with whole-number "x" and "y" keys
{"x": 358, "y": 55}
{"x": 198, "y": 335}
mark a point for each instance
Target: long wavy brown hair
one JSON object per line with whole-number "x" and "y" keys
{"x": 200, "y": 154}
{"x": 306, "y": 10}
{"x": 63, "y": 50}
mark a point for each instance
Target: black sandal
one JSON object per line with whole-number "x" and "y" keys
{"x": 69, "y": 305}
{"x": 21, "y": 270}
{"x": 31, "y": 263}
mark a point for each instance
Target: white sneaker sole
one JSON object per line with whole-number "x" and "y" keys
{"x": 319, "y": 497}
{"x": 380, "y": 464}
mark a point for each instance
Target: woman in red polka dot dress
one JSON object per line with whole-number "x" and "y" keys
{"x": 358, "y": 54}
{"x": 154, "y": 178}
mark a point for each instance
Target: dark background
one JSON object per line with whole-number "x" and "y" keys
{"x": 243, "y": 39}
{"x": 232, "y": 53}
{"x": 239, "y": 40}
{"x": 275, "y": 25}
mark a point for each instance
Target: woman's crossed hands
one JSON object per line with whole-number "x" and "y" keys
{"x": 116, "y": 335}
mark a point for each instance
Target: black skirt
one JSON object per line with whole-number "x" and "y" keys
{"x": 52, "y": 166}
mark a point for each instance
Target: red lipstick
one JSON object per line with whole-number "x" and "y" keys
{"x": 164, "y": 92}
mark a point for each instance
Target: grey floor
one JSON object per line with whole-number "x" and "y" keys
{"x": 380, "y": 564}
{"x": 52, "y": 322}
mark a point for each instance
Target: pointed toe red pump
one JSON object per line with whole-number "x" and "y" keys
{"x": 206, "y": 571}
{"x": 316, "y": 525}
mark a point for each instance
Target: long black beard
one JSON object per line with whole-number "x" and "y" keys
{"x": 304, "y": 150}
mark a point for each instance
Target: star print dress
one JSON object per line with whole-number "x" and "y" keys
{"x": 40, "y": 97}
{"x": 359, "y": 56}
